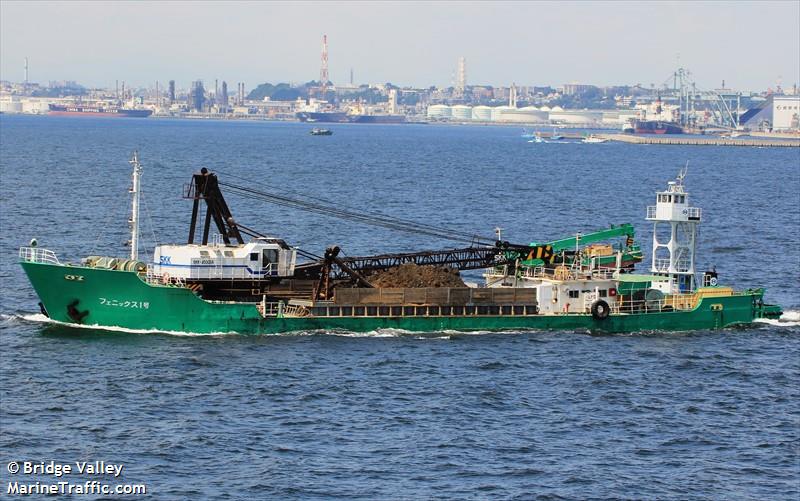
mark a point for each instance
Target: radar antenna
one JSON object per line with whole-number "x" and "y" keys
{"x": 682, "y": 173}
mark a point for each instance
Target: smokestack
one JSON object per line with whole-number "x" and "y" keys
{"x": 461, "y": 82}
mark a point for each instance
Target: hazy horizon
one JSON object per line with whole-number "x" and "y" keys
{"x": 749, "y": 45}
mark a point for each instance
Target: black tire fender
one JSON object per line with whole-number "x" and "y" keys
{"x": 600, "y": 310}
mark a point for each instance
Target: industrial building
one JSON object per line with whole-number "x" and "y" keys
{"x": 785, "y": 113}
{"x": 778, "y": 113}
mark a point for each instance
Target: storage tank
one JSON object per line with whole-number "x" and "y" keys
{"x": 482, "y": 113}
{"x": 498, "y": 112}
{"x": 440, "y": 111}
{"x": 10, "y": 104}
{"x": 529, "y": 114}
{"x": 577, "y": 117}
{"x": 462, "y": 112}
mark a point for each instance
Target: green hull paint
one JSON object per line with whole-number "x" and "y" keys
{"x": 110, "y": 298}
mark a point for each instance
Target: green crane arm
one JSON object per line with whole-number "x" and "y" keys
{"x": 588, "y": 238}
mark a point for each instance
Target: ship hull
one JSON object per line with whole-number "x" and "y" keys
{"x": 84, "y": 111}
{"x": 378, "y": 119}
{"x": 323, "y": 117}
{"x": 121, "y": 299}
{"x": 342, "y": 117}
{"x": 656, "y": 127}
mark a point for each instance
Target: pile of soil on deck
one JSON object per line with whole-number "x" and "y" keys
{"x": 410, "y": 275}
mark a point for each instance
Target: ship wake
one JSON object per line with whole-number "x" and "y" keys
{"x": 42, "y": 319}
{"x": 788, "y": 319}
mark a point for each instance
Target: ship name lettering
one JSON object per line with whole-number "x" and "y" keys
{"x": 120, "y": 303}
{"x": 75, "y": 278}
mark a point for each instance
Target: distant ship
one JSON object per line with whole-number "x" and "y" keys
{"x": 656, "y": 127}
{"x": 378, "y": 119}
{"x": 343, "y": 117}
{"x": 110, "y": 111}
{"x": 323, "y": 116}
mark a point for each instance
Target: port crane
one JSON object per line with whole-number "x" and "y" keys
{"x": 690, "y": 96}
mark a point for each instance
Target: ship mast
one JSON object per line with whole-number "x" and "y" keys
{"x": 134, "y": 220}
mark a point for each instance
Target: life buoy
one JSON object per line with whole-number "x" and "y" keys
{"x": 713, "y": 282}
{"x": 600, "y": 309}
{"x": 165, "y": 278}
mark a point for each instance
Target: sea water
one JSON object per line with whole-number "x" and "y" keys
{"x": 392, "y": 414}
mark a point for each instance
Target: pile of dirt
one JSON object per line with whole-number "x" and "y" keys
{"x": 410, "y": 275}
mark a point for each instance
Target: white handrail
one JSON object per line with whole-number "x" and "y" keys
{"x": 38, "y": 255}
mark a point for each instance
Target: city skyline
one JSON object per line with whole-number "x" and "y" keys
{"x": 749, "y": 45}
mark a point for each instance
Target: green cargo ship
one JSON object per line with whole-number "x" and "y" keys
{"x": 227, "y": 285}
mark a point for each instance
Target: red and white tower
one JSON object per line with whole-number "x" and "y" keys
{"x": 323, "y": 70}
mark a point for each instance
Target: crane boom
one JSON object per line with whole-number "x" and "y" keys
{"x": 626, "y": 230}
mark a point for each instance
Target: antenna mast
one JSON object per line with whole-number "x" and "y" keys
{"x": 134, "y": 220}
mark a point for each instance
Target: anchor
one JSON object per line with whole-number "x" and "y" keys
{"x": 74, "y": 313}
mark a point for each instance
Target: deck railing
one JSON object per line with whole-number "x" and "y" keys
{"x": 38, "y": 255}
{"x": 281, "y": 309}
{"x": 153, "y": 278}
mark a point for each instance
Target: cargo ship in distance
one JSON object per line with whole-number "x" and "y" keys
{"x": 226, "y": 285}
{"x": 344, "y": 117}
{"x": 97, "y": 111}
{"x": 656, "y": 127}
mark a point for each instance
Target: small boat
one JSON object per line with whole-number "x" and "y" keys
{"x": 321, "y": 132}
{"x": 556, "y": 136}
{"x": 536, "y": 138}
{"x": 528, "y": 134}
{"x": 591, "y": 138}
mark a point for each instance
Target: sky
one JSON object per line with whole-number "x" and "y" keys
{"x": 749, "y": 45}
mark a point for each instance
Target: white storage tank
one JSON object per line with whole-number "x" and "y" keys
{"x": 578, "y": 117}
{"x": 499, "y": 112}
{"x": 35, "y": 107}
{"x": 441, "y": 111}
{"x": 482, "y": 113}
{"x": 462, "y": 112}
{"x": 529, "y": 114}
{"x": 10, "y": 104}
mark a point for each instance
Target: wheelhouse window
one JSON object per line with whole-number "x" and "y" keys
{"x": 254, "y": 256}
{"x": 574, "y": 294}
